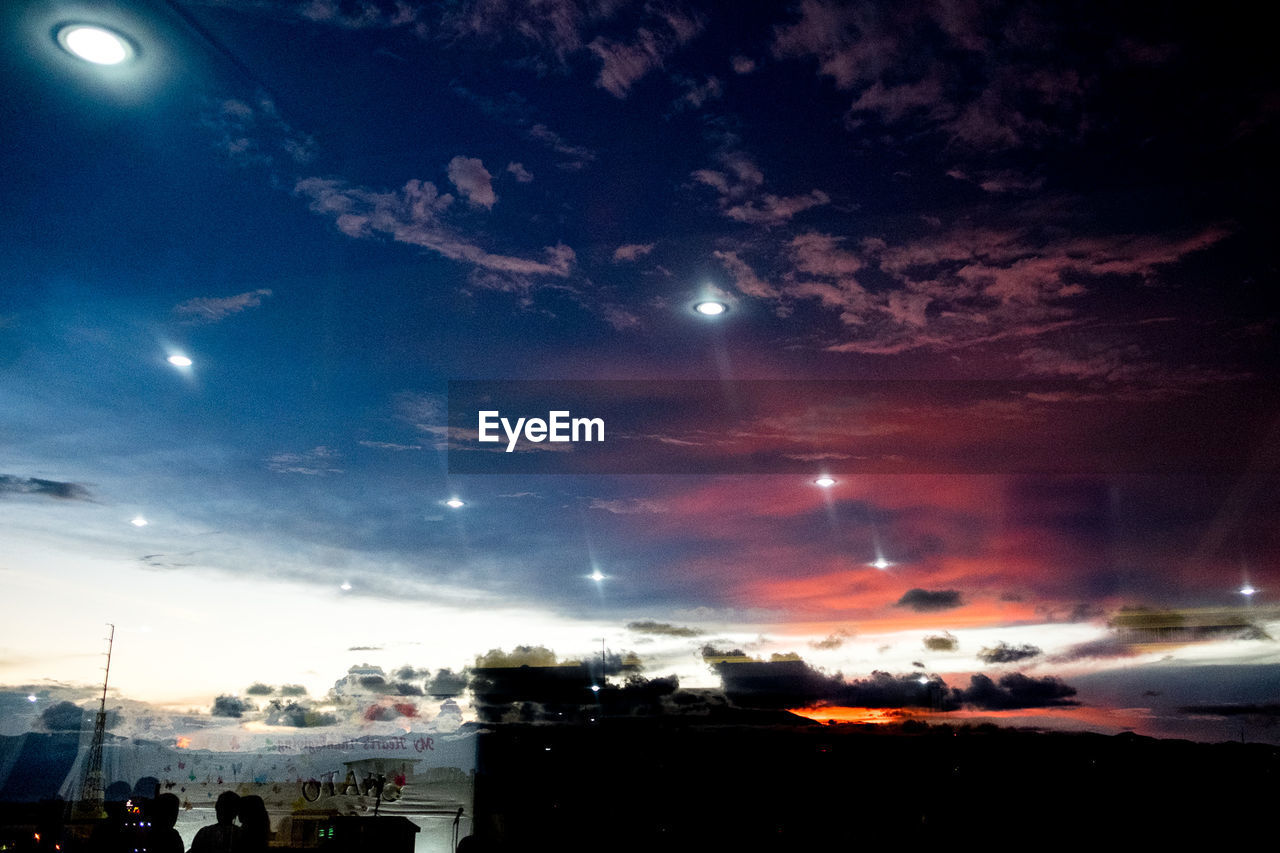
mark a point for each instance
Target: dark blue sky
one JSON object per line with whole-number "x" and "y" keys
{"x": 336, "y": 208}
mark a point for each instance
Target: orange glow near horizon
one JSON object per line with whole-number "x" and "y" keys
{"x": 842, "y": 714}
{"x": 1106, "y": 720}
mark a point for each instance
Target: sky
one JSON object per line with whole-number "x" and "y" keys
{"x": 997, "y": 269}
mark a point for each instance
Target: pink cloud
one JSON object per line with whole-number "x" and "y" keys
{"x": 411, "y": 215}
{"x": 744, "y": 277}
{"x": 473, "y": 180}
{"x": 632, "y": 251}
{"x": 963, "y": 286}
{"x": 519, "y": 172}
{"x": 737, "y": 182}
{"x": 893, "y": 103}
{"x": 775, "y": 210}
{"x": 850, "y": 42}
{"x": 623, "y": 64}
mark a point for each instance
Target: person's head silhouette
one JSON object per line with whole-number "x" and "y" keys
{"x": 164, "y": 812}
{"x": 227, "y": 806}
{"x": 254, "y": 817}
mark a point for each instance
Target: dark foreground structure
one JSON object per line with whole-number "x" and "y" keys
{"x": 672, "y": 785}
{"x": 773, "y": 781}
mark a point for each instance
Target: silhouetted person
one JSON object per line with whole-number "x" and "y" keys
{"x": 146, "y": 788}
{"x": 255, "y": 824}
{"x": 223, "y": 836}
{"x": 164, "y": 814}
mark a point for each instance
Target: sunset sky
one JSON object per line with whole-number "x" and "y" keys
{"x": 335, "y": 209}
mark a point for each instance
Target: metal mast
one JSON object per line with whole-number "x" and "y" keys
{"x": 90, "y": 803}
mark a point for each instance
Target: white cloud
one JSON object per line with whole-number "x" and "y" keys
{"x": 388, "y": 445}
{"x": 358, "y": 15}
{"x": 578, "y": 156}
{"x": 520, "y": 173}
{"x": 632, "y": 251}
{"x": 317, "y": 462}
{"x": 203, "y": 309}
{"x": 473, "y": 180}
{"x": 254, "y": 133}
{"x": 426, "y": 413}
{"x": 627, "y": 506}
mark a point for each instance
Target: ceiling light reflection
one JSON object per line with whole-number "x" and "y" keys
{"x": 98, "y": 45}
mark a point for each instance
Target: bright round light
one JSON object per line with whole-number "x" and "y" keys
{"x": 595, "y": 688}
{"x": 825, "y": 482}
{"x": 346, "y": 586}
{"x": 94, "y": 44}
{"x": 179, "y": 361}
{"x": 596, "y": 576}
{"x": 1247, "y": 589}
{"x": 31, "y": 697}
{"x": 711, "y": 308}
{"x": 138, "y": 521}
{"x": 924, "y": 679}
{"x": 881, "y": 563}
{"x": 454, "y": 503}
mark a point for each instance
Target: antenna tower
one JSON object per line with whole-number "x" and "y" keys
{"x": 89, "y": 805}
